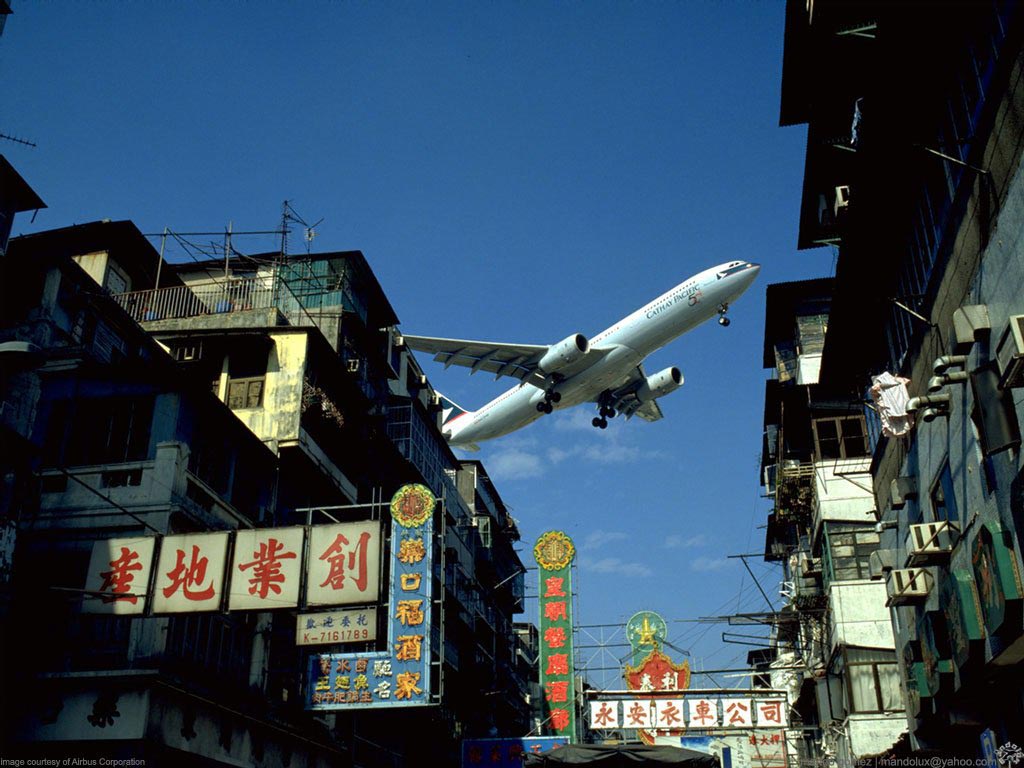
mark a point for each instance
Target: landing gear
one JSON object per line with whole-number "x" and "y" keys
{"x": 605, "y": 410}
{"x": 722, "y": 319}
{"x": 551, "y": 395}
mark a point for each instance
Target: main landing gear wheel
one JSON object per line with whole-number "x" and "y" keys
{"x": 723, "y": 321}
{"x": 600, "y": 422}
{"x": 607, "y": 412}
{"x": 552, "y": 395}
{"x": 545, "y": 407}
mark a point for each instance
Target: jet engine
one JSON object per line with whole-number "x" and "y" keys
{"x": 564, "y": 353}
{"x": 660, "y": 384}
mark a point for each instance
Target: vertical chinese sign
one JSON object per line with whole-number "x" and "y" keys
{"x": 400, "y": 675}
{"x": 554, "y": 552}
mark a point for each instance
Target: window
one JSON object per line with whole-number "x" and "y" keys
{"x": 99, "y": 431}
{"x": 841, "y": 437}
{"x": 873, "y": 680}
{"x": 247, "y": 371}
{"x": 848, "y": 549}
{"x": 944, "y": 497}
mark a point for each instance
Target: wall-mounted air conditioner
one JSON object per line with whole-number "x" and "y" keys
{"x": 841, "y": 201}
{"x": 931, "y": 543}
{"x": 809, "y": 566}
{"x": 901, "y": 489}
{"x": 908, "y": 585}
{"x": 1010, "y": 353}
{"x": 353, "y": 365}
{"x": 881, "y": 562}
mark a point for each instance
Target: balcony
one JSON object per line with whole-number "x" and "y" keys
{"x": 211, "y": 297}
{"x": 794, "y": 491}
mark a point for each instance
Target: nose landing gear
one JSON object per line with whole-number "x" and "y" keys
{"x": 722, "y": 319}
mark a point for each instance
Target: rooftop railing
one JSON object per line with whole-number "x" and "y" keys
{"x": 207, "y": 298}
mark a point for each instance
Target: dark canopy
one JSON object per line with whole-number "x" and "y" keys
{"x": 626, "y": 756}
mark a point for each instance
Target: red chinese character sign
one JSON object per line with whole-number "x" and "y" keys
{"x": 190, "y": 573}
{"x": 399, "y": 675}
{"x": 118, "y": 578}
{"x": 344, "y": 564}
{"x": 266, "y": 569}
{"x": 554, "y": 553}
{"x": 657, "y": 672}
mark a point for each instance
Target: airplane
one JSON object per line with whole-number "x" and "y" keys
{"x": 606, "y": 370}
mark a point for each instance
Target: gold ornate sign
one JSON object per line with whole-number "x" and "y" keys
{"x": 412, "y": 505}
{"x": 554, "y": 551}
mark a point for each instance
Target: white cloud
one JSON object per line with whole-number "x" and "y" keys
{"x": 685, "y": 542}
{"x": 514, "y": 464}
{"x": 710, "y": 563}
{"x": 596, "y": 539}
{"x": 618, "y": 567}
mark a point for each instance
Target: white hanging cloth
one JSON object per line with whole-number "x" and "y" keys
{"x": 890, "y": 395}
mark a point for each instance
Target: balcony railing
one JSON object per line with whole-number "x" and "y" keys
{"x": 208, "y": 298}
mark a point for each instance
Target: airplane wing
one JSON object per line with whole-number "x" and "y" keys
{"x": 629, "y": 405}
{"x": 516, "y": 360}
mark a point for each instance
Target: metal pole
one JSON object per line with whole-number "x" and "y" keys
{"x": 160, "y": 263}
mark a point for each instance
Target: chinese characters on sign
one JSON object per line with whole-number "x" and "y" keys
{"x": 118, "y": 577}
{"x": 352, "y": 626}
{"x": 342, "y": 567}
{"x": 344, "y": 564}
{"x": 702, "y": 713}
{"x": 507, "y": 753}
{"x": 400, "y": 675}
{"x": 554, "y": 552}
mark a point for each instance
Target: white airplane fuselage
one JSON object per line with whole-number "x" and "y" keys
{"x": 629, "y": 341}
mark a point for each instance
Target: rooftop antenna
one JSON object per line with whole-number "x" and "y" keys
{"x": 288, "y": 213}
{"x": 16, "y": 140}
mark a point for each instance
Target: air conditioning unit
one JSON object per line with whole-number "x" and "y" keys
{"x": 769, "y": 479}
{"x": 901, "y": 489}
{"x": 1010, "y": 353}
{"x": 931, "y": 543}
{"x": 841, "y": 201}
{"x": 353, "y": 365}
{"x": 809, "y": 566}
{"x": 908, "y": 585}
{"x": 881, "y": 562}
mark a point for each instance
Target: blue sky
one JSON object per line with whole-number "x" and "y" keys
{"x": 515, "y": 171}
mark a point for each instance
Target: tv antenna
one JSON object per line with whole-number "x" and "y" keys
{"x": 289, "y": 214}
{"x": 16, "y": 140}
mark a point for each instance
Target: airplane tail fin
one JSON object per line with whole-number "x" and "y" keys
{"x": 450, "y": 410}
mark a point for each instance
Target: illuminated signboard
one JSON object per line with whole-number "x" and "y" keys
{"x": 400, "y": 675}
{"x": 554, "y": 553}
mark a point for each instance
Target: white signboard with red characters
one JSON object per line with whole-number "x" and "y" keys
{"x": 698, "y": 712}
{"x": 266, "y": 569}
{"x": 190, "y": 573}
{"x": 118, "y": 576}
{"x": 344, "y": 564}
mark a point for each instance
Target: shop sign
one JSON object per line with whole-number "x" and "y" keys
{"x": 190, "y": 573}
{"x": 118, "y": 577}
{"x": 960, "y": 605}
{"x": 507, "y": 753}
{"x": 554, "y": 552}
{"x": 266, "y": 570}
{"x": 996, "y": 573}
{"x": 400, "y": 675}
{"x": 350, "y": 626}
{"x": 692, "y": 712}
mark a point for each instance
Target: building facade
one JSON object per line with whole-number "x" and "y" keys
{"x": 912, "y": 176}
{"x": 158, "y": 401}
